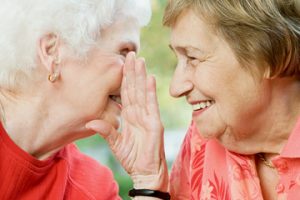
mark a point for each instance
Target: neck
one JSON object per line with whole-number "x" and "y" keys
{"x": 273, "y": 126}
{"x": 283, "y": 114}
{"x": 38, "y": 126}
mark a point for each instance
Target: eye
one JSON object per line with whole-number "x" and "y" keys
{"x": 190, "y": 58}
{"x": 192, "y": 61}
{"x": 124, "y": 51}
{"x": 126, "y": 48}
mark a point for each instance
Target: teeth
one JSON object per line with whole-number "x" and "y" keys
{"x": 196, "y": 106}
{"x": 208, "y": 103}
{"x": 202, "y": 105}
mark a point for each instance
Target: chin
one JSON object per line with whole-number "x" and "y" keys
{"x": 211, "y": 127}
{"x": 208, "y": 132}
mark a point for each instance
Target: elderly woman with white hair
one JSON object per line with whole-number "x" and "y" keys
{"x": 61, "y": 72}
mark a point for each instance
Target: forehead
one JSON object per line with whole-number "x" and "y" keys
{"x": 121, "y": 31}
{"x": 191, "y": 30}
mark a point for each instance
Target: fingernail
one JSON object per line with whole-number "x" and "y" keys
{"x": 132, "y": 54}
{"x": 88, "y": 126}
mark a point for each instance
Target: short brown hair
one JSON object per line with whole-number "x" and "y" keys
{"x": 264, "y": 32}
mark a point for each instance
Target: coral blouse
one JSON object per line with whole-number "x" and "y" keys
{"x": 205, "y": 170}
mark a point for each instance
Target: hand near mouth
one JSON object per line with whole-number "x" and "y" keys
{"x": 139, "y": 147}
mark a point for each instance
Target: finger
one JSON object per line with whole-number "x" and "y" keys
{"x": 124, "y": 93}
{"x": 129, "y": 111}
{"x": 106, "y": 130}
{"x": 129, "y": 71}
{"x": 152, "y": 102}
{"x": 141, "y": 81}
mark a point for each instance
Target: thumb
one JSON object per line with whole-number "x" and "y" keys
{"x": 105, "y": 129}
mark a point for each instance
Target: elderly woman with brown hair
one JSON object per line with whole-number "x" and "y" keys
{"x": 61, "y": 69}
{"x": 239, "y": 69}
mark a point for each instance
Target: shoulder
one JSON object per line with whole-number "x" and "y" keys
{"x": 88, "y": 175}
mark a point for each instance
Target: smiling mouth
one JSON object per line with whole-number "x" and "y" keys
{"x": 202, "y": 105}
{"x": 116, "y": 98}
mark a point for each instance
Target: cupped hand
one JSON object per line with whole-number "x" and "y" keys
{"x": 139, "y": 146}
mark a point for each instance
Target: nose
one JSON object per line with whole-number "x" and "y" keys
{"x": 181, "y": 82}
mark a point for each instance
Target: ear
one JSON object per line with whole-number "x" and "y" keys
{"x": 48, "y": 52}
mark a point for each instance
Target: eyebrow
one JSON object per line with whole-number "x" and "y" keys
{"x": 184, "y": 49}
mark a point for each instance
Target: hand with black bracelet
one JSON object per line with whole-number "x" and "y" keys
{"x": 139, "y": 146}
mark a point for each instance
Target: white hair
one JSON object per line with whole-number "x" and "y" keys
{"x": 77, "y": 22}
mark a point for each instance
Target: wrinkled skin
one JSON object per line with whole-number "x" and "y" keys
{"x": 139, "y": 146}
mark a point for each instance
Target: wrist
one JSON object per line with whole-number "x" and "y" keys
{"x": 159, "y": 181}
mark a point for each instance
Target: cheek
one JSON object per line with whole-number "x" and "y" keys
{"x": 95, "y": 103}
{"x": 225, "y": 112}
{"x": 117, "y": 61}
{"x": 111, "y": 78}
{"x": 232, "y": 107}
{"x": 210, "y": 82}
{"x": 243, "y": 107}
{"x": 109, "y": 63}
{"x": 116, "y": 69}
{"x": 212, "y": 126}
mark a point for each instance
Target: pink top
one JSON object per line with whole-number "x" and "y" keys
{"x": 204, "y": 170}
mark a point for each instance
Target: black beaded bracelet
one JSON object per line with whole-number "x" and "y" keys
{"x": 149, "y": 193}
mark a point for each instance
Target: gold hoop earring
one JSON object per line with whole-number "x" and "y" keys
{"x": 53, "y": 77}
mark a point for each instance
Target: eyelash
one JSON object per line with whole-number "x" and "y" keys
{"x": 191, "y": 58}
{"x": 192, "y": 61}
{"x": 124, "y": 52}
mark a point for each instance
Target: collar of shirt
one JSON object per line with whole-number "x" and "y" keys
{"x": 292, "y": 147}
